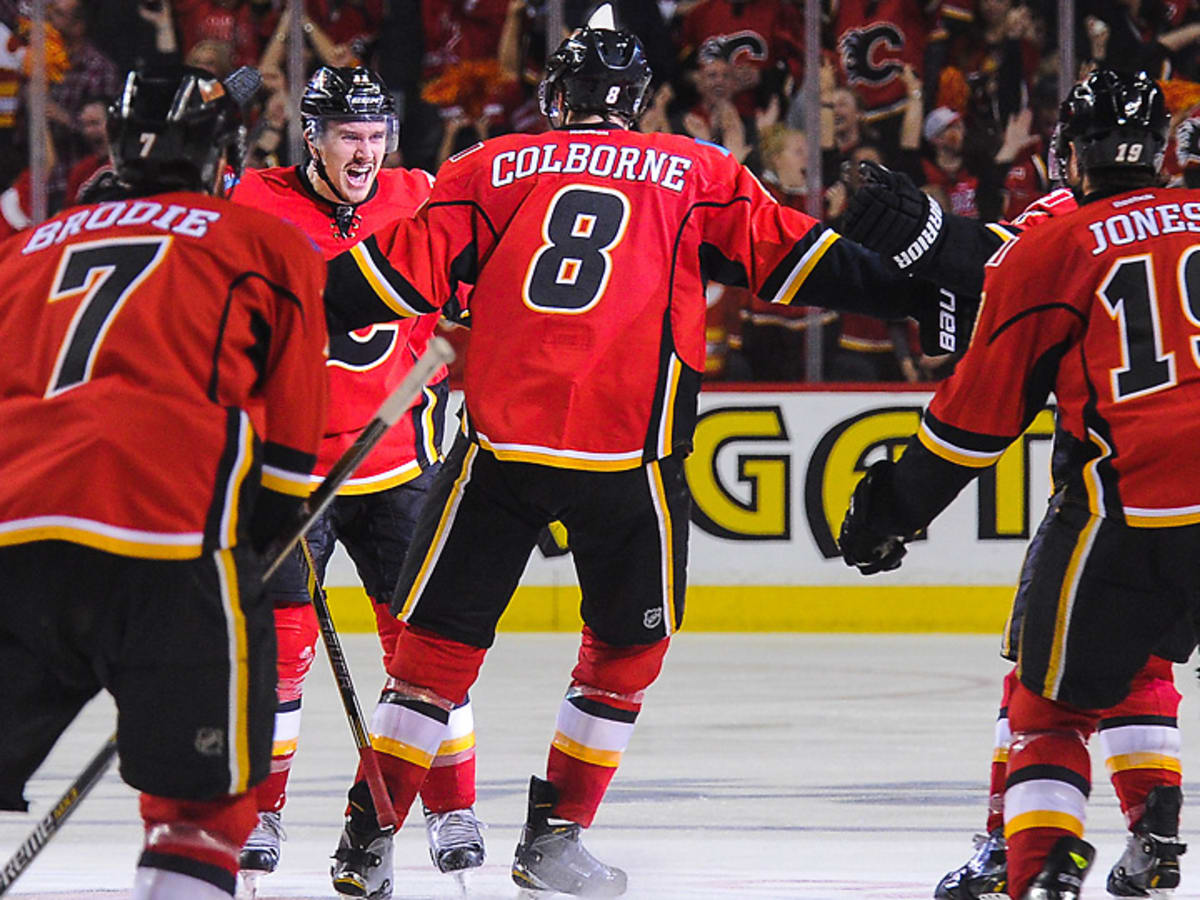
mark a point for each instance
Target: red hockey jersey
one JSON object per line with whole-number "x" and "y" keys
{"x": 169, "y": 347}
{"x": 589, "y": 249}
{"x": 366, "y": 365}
{"x": 1102, "y": 307}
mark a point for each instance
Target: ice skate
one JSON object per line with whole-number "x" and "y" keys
{"x": 1149, "y": 867}
{"x": 982, "y": 877}
{"x": 1063, "y": 872}
{"x": 260, "y": 853}
{"x": 551, "y": 857}
{"x": 455, "y": 842}
{"x": 363, "y": 860}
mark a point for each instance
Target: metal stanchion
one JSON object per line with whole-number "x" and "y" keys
{"x": 814, "y": 350}
{"x": 295, "y": 77}
{"x": 38, "y": 95}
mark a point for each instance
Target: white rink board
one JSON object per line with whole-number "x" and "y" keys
{"x": 757, "y": 453}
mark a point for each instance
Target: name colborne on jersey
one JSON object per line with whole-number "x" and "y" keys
{"x": 601, "y": 160}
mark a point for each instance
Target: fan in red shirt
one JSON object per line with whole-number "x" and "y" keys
{"x": 159, "y": 430}
{"x": 1096, "y": 307}
{"x": 338, "y": 197}
{"x": 588, "y": 248}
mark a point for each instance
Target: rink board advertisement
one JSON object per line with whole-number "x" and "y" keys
{"x": 771, "y": 475}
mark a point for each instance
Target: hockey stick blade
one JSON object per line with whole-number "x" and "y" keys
{"x": 438, "y": 354}
{"x": 54, "y": 819}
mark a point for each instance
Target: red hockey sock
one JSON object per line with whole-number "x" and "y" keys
{"x": 198, "y": 839}
{"x": 451, "y": 780}
{"x": 1049, "y": 779}
{"x": 1140, "y": 738}
{"x": 999, "y": 770}
{"x": 296, "y": 634}
{"x": 430, "y": 675}
{"x": 595, "y": 722}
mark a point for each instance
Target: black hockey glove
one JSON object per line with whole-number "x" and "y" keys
{"x": 892, "y": 216}
{"x": 871, "y": 537}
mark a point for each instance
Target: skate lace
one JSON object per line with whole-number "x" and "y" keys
{"x": 457, "y": 828}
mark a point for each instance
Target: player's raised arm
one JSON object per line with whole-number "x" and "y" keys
{"x": 414, "y": 266}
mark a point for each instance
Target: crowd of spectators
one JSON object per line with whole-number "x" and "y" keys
{"x": 960, "y": 94}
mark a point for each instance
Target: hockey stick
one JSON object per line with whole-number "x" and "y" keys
{"x": 438, "y": 353}
{"x": 385, "y": 813}
{"x": 54, "y": 819}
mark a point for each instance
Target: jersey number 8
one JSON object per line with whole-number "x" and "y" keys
{"x": 569, "y": 272}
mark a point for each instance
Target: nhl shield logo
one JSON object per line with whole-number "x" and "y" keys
{"x": 210, "y": 741}
{"x": 652, "y": 617}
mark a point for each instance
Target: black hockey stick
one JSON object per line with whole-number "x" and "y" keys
{"x": 385, "y": 813}
{"x": 54, "y": 819}
{"x": 438, "y": 353}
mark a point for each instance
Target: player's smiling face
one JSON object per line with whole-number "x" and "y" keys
{"x": 353, "y": 153}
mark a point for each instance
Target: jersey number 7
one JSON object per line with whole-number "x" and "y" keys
{"x": 108, "y": 272}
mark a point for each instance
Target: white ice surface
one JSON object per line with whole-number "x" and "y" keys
{"x": 797, "y": 766}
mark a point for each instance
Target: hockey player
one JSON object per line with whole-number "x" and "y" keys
{"x": 588, "y": 247}
{"x": 1139, "y": 737}
{"x": 339, "y": 197}
{"x": 172, "y": 357}
{"x": 1096, "y": 307}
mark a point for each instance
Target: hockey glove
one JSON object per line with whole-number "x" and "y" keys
{"x": 892, "y": 216}
{"x": 871, "y": 539}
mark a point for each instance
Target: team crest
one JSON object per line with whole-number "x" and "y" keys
{"x": 652, "y": 617}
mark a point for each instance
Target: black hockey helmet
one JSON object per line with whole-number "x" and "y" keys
{"x": 171, "y": 126}
{"x": 1115, "y": 120}
{"x": 597, "y": 70}
{"x": 348, "y": 94}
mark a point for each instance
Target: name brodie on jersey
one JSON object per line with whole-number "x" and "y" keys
{"x": 602, "y": 160}
{"x": 174, "y": 218}
{"x": 1140, "y": 224}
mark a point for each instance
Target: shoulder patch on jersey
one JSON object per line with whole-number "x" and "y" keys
{"x": 462, "y": 154}
{"x": 705, "y": 143}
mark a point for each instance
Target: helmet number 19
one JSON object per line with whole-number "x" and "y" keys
{"x": 570, "y": 271}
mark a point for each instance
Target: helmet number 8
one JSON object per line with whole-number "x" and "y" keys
{"x": 570, "y": 271}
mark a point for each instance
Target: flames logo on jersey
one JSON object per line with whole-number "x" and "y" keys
{"x": 860, "y": 49}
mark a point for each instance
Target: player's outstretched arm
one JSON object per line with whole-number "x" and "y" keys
{"x": 890, "y": 215}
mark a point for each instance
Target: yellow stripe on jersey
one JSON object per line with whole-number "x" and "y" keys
{"x": 382, "y": 482}
{"x": 433, "y": 452}
{"x": 576, "y": 750}
{"x": 956, "y": 455}
{"x": 99, "y": 541}
{"x": 379, "y": 284}
{"x": 1166, "y": 518}
{"x": 1091, "y": 475}
{"x": 666, "y": 425}
{"x": 1144, "y": 760}
{"x": 1000, "y": 231}
{"x": 1043, "y": 818}
{"x": 546, "y": 456}
{"x": 241, "y": 469}
{"x": 804, "y": 268}
{"x": 292, "y": 484}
